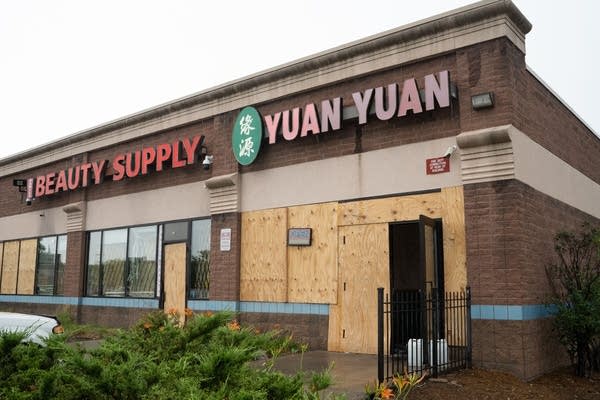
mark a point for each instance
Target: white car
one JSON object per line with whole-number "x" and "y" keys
{"x": 37, "y": 327}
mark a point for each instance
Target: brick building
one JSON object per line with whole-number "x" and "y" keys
{"x": 292, "y": 194}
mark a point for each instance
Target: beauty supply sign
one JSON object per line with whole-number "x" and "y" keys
{"x": 177, "y": 154}
{"x": 391, "y": 101}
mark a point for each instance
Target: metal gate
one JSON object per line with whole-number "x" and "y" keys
{"x": 423, "y": 332}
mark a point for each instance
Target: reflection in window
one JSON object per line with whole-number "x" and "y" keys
{"x": 142, "y": 261}
{"x": 114, "y": 252}
{"x": 200, "y": 259}
{"x": 51, "y": 259}
{"x": 93, "y": 264}
{"x": 122, "y": 262}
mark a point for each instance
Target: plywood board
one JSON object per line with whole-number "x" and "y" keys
{"x": 392, "y": 209}
{"x": 312, "y": 270}
{"x": 455, "y": 248}
{"x": 174, "y": 278}
{"x": 263, "y": 258}
{"x": 364, "y": 266}
{"x": 10, "y": 264}
{"x": 27, "y": 259}
{"x": 1, "y": 256}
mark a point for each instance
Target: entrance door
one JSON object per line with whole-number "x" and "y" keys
{"x": 175, "y": 255}
{"x": 416, "y": 271}
{"x": 364, "y": 266}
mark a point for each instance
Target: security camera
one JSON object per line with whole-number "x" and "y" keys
{"x": 207, "y": 162}
{"x": 450, "y": 151}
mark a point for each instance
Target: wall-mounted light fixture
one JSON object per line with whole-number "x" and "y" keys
{"x": 21, "y": 184}
{"x": 25, "y": 186}
{"x": 207, "y": 162}
{"x": 482, "y": 100}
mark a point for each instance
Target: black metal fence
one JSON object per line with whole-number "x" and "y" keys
{"x": 423, "y": 332}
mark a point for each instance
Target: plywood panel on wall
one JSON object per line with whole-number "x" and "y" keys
{"x": 27, "y": 259}
{"x": 1, "y": 256}
{"x": 392, "y": 209}
{"x": 364, "y": 266}
{"x": 175, "y": 263}
{"x": 10, "y": 264}
{"x": 263, "y": 259}
{"x": 455, "y": 248}
{"x": 312, "y": 270}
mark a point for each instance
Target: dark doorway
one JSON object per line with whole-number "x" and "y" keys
{"x": 416, "y": 267}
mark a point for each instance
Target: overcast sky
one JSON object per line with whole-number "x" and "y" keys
{"x": 66, "y": 66}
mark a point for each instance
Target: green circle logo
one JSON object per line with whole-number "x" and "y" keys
{"x": 246, "y": 136}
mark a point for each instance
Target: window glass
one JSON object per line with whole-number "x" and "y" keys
{"x": 200, "y": 259}
{"x": 61, "y": 261}
{"x": 176, "y": 232}
{"x": 93, "y": 264}
{"x": 142, "y": 261}
{"x": 114, "y": 251}
{"x": 46, "y": 265}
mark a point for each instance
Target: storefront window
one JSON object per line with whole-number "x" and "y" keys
{"x": 141, "y": 277}
{"x": 122, "y": 262}
{"x": 51, "y": 259}
{"x": 93, "y": 264}
{"x": 200, "y": 259}
{"x": 114, "y": 253}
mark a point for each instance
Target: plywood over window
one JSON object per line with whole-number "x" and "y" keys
{"x": 313, "y": 270}
{"x": 263, "y": 271}
{"x": 10, "y": 265}
{"x": 27, "y": 259}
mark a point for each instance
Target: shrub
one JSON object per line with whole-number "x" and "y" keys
{"x": 575, "y": 284}
{"x": 206, "y": 358}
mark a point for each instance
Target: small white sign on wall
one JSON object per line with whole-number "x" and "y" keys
{"x": 225, "y": 239}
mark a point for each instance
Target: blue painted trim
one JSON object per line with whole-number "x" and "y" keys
{"x": 85, "y": 301}
{"x": 259, "y": 307}
{"x": 213, "y": 305}
{"x": 503, "y": 312}
{"x": 10, "y": 298}
{"x": 119, "y": 302}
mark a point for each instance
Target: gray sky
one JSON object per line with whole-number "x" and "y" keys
{"x": 69, "y": 65}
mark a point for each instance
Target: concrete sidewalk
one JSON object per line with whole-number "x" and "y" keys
{"x": 351, "y": 372}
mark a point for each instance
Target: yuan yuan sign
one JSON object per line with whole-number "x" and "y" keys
{"x": 388, "y": 101}
{"x": 177, "y": 154}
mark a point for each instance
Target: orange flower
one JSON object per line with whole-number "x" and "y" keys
{"x": 188, "y": 312}
{"x": 387, "y": 393}
{"x": 208, "y": 314}
{"x": 147, "y": 325}
{"x": 172, "y": 311}
{"x": 233, "y": 325}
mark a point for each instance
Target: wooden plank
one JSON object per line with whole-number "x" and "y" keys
{"x": 10, "y": 265}
{"x": 27, "y": 259}
{"x": 1, "y": 257}
{"x": 312, "y": 270}
{"x": 391, "y": 209}
{"x": 174, "y": 279}
{"x": 263, "y": 258}
{"x": 364, "y": 266}
{"x": 455, "y": 241}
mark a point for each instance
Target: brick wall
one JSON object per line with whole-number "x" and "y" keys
{"x": 549, "y": 123}
{"x": 510, "y": 229}
{"x": 75, "y": 266}
{"x": 305, "y": 328}
{"x": 225, "y": 265}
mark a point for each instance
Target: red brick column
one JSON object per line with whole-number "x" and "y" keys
{"x": 75, "y": 267}
{"x": 225, "y": 265}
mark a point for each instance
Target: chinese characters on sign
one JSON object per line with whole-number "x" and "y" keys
{"x": 246, "y": 136}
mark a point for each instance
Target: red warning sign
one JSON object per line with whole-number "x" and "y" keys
{"x": 437, "y": 165}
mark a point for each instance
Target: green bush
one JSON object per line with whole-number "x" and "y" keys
{"x": 209, "y": 357}
{"x": 575, "y": 283}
